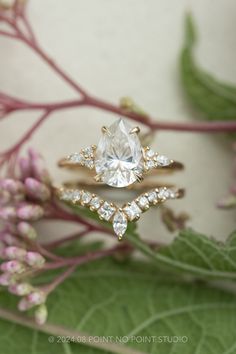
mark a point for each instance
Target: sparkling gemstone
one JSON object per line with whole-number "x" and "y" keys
{"x": 150, "y": 164}
{"x": 118, "y": 155}
{"x": 143, "y": 202}
{"x": 120, "y": 223}
{"x": 88, "y": 151}
{"x": 88, "y": 163}
{"x": 67, "y": 195}
{"x": 75, "y": 158}
{"x": 150, "y": 153}
{"x": 86, "y": 197}
{"x": 166, "y": 193}
{"x": 162, "y": 160}
{"x": 76, "y": 195}
{"x": 95, "y": 203}
{"x": 152, "y": 196}
{"x": 106, "y": 211}
{"x": 133, "y": 211}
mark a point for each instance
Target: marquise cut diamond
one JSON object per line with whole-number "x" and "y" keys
{"x": 120, "y": 223}
{"x": 118, "y": 155}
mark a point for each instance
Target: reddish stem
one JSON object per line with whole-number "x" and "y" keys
{"x": 69, "y": 238}
{"x": 58, "y": 280}
{"x": 75, "y": 261}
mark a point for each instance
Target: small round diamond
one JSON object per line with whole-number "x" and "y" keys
{"x": 67, "y": 195}
{"x": 76, "y": 196}
{"x": 143, "y": 202}
{"x": 86, "y": 197}
{"x": 95, "y": 203}
{"x": 166, "y": 194}
{"x": 89, "y": 163}
{"x": 132, "y": 211}
{"x": 88, "y": 151}
{"x": 152, "y": 197}
{"x": 150, "y": 164}
{"x": 75, "y": 158}
{"x": 150, "y": 153}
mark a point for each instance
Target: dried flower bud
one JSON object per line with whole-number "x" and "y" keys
{"x": 34, "y": 259}
{"x": 30, "y": 212}
{"x": 26, "y": 230}
{"x": 12, "y": 267}
{"x": 12, "y": 186}
{"x": 13, "y": 252}
{"x": 37, "y": 189}
{"x": 20, "y": 289}
{"x": 41, "y": 314}
{"x": 6, "y": 279}
{"x": 7, "y": 213}
{"x": 38, "y": 167}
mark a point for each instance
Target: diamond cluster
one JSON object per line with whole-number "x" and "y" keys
{"x": 84, "y": 158}
{"x": 111, "y": 212}
{"x": 154, "y": 160}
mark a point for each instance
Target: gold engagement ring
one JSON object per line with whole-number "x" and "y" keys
{"x": 119, "y": 161}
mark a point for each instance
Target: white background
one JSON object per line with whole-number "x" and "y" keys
{"x": 128, "y": 47}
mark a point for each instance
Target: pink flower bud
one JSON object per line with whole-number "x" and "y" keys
{"x": 34, "y": 259}
{"x": 25, "y": 168}
{"x": 13, "y": 252}
{"x": 7, "y": 238}
{"x": 41, "y": 314}
{"x": 12, "y": 186}
{"x": 20, "y": 289}
{"x": 36, "y": 297}
{"x": 12, "y": 267}
{"x": 26, "y": 230}
{"x": 30, "y": 212}
{"x": 24, "y": 305}
{"x": 6, "y": 279}
{"x": 38, "y": 167}
{"x": 7, "y": 213}
{"x": 37, "y": 189}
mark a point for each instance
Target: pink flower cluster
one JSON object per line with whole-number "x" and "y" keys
{"x": 23, "y": 200}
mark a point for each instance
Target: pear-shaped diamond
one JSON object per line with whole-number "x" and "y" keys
{"x": 119, "y": 223}
{"x": 119, "y": 157}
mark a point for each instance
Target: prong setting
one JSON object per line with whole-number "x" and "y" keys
{"x": 135, "y": 130}
{"x": 108, "y": 211}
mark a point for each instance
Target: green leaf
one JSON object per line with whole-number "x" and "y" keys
{"x": 190, "y": 252}
{"x": 195, "y": 254}
{"x": 128, "y": 300}
{"x": 217, "y": 100}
